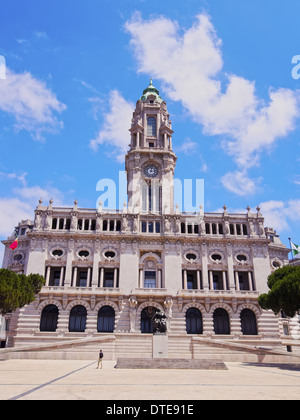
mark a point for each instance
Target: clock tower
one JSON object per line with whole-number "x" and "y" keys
{"x": 150, "y": 162}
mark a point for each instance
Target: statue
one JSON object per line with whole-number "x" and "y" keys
{"x": 159, "y": 322}
{"x": 132, "y": 312}
{"x": 167, "y": 225}
{"x": 38, "y": 221}
{"x": 168, "y": 304}
{"x": 125, "y": 224}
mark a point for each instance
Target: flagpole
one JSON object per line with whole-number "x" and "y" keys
{"x": 291, "y": 249}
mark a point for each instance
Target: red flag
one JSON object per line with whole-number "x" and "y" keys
{"x": 15, "y": 244}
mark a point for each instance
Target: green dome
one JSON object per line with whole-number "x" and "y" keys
{"x": 151, "y": 90}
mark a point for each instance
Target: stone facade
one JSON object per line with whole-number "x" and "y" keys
{"x": 106, "y": 271}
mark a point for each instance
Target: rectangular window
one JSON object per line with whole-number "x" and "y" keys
{"x": 144, "y": 227}
{"x": 191, "y": 280}
{"x": 82, "y": 278}
{"x": 108, "y": 278}
{"x": 150, "y": 279}
{"x": 243, "y": 281}
{"x": 151, "y": 126}
{"x": 54, "y": 277}
{"x": 217, "y": 281}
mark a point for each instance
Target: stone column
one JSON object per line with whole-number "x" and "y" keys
{"x": 61, "y": 280}
{"x": 74, "y": 279}
{"x": 204, "y": 267}
{"x": 141, "y": 278}
{"x": 237, "y": 283}
{"x": 250, "y": 281}
{"x": 115, "y": 277}
{"x": 48, "y": 276}
{"x": 224, "y": 280}
{"x": 70, "y": 257}
{"x": 102, "y": 277}
{"x": 198, "y": 280}
{"x": 88, "y": 281}
{"x": 185, "y": 279}
{"x": 230, "y": 272}
{"x": 159, "y": 279}
{"x": 211, "y": 280}
{"x": 95, "y": 275}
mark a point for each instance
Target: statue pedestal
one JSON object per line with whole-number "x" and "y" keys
{"x": 160, "y": 346}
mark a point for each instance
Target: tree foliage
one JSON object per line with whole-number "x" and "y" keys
{"x": 284, "y": 294}
{"x": 18, "y": 290}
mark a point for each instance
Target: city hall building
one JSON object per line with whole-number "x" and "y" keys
{"x": 107, "y": 272}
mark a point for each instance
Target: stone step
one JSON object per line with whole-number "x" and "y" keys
{"x": 133, "y": 363}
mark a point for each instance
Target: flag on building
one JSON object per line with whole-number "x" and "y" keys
{"x": 295, "y": 250}
{"x": 15, "y": 244}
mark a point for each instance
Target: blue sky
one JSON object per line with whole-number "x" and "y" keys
{"x": 74, "y": 71}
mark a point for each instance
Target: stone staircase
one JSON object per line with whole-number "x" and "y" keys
{"x": 140, "y": 346}
{"x": 127, "y": 363}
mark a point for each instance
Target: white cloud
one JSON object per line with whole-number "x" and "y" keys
{"x": 33, "y": 194}
{"x": 239, "y": 183}
{"x": 21, "y": 178}
{"x": 22, "y": 203}
{"x": 277, "y": 214}
{"x": 31, "y": 103}
{"x": 12, "y": 211}
{"x": 115, "y": 127}
{"x": 188, "y": 147}
{"x": 189, "y": 63}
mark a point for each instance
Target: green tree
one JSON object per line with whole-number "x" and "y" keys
{"x": 284, "y": 294}
{"x": 18, "y": 290}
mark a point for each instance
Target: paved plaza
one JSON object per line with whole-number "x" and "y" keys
{"x": 80, "y": 380}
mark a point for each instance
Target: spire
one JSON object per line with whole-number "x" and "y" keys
{"x": 151, "y": 90}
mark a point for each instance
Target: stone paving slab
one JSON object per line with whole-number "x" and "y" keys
{"x": 80, "y": 380}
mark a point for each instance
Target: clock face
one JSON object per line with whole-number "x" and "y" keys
{"x": 151, "y": 171}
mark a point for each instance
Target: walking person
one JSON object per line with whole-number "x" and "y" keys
{"x": 101, "y": 355}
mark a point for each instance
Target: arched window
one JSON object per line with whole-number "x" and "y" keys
{"x": 193, "y": 321}
{"x": 77, "y": 322}
{"x": 106, "y": 319}
{"x": 49, "y": 318}
{"x": 146, "y": 316}
{"x": 221, "y": 321}
{"x": 151, "y": 126}
{"x": 248, "y": 322}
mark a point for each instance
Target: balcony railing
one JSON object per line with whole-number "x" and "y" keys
{"x": 188, "y": 224}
